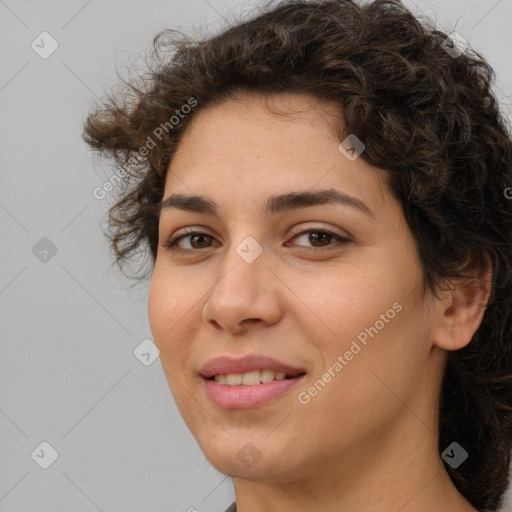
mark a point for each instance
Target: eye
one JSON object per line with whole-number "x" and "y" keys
{"x": 195, "y": 236}
{"x": 319, "y": 236}
{"x": 201, "y": 240}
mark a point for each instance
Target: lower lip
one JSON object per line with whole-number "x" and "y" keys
{"x": 246, "y": 397}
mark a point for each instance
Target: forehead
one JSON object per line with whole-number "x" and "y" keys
{"x": 251, "y": 121}
{"x": 255, "y": 146}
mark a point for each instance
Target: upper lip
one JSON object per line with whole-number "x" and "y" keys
{"x": 223, "y": 365}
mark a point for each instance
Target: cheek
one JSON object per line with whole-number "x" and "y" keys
{"x": 378, "y": 308}
{"x": 167, "y": 314}
{"x": 158, "y": 308}
{"x": 372, "y": 375}
{"x": 352, "y": 299}
{"x": 169, "y": 302}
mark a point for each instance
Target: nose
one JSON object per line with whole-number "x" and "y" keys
{"x": 245, "y": 293}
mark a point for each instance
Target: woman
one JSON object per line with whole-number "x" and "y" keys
{"x": 324, "y": 192}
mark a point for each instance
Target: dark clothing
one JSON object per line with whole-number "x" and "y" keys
{"x": 232, "y": 507}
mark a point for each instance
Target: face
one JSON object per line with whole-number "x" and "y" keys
{"x": 329, "y": 288}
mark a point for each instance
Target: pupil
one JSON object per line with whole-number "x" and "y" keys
{"x": 319, "y": 235}
{"x": 195, "y": 237}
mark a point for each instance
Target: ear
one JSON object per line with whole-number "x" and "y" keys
{"x": 460, "y": 311}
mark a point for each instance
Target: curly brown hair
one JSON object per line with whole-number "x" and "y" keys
{"x": 427, "y": 117}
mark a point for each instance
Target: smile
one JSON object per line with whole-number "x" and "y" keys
{"x": 250, "y": 378}
{"x": 246, "y": 396}
{"x": 250, "y": 381}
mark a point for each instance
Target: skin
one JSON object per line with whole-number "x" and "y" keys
{"x": 368, "y": 440}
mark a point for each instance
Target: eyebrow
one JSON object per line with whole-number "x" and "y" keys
{"x": 274, "y": 204}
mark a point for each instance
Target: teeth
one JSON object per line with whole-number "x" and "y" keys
{"x": 267, "y": 375}
{"x": 249, "y": 378}
{"x": 234, "y": 379}
{"x": 221, "y": 379}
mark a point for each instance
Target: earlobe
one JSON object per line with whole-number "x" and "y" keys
{"x": 461, "y": 310}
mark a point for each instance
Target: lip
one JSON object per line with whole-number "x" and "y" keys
{"x": 223, "y": 365}
{"x": 248, "y": 397}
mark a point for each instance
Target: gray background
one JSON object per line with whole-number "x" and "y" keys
{"x": 68, "y": 374}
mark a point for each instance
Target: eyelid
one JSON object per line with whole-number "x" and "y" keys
{"x": 301, "y": 230}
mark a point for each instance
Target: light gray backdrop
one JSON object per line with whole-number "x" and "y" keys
{"x": 69, "y": 376}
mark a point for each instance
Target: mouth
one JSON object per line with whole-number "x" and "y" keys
{"x": 253, "y": 378}
{"x": 249, "y": 369}
{"x": 248, "y": 382}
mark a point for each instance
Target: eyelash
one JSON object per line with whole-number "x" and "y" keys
{"x": 171, "y": 244}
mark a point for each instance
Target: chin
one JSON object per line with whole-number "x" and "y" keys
{"x": 241, "y": 458}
